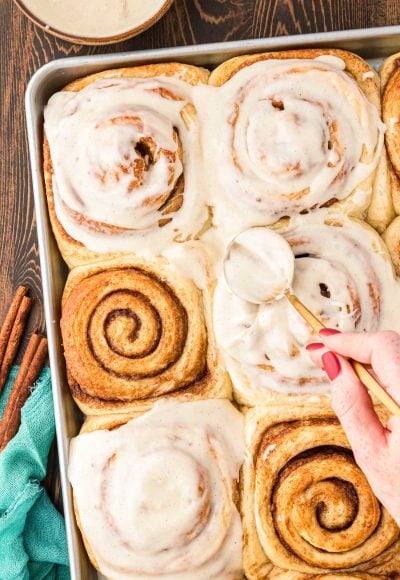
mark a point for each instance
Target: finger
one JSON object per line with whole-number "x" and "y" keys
{"x": 379, "y": 349}
{"x": 315, "y": 351}
{"x": 393, "y": 425}
{"x": 353, "y": 406}
{"x": 362, "y": 346}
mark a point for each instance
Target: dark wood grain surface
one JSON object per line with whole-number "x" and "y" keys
{"x": 24, "y": 48}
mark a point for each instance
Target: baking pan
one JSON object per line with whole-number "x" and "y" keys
{"x": 373, "y": 44}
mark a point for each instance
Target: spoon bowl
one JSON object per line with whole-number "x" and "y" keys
{"x": 262, "y": 251}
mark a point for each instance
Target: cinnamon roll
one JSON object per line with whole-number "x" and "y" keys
{"x": 343, "y": 274}
{"x": 301, "y": 130}
{"x": 307, "y": 508}
{"x": 120, "y": 169}
{"x": 155, "y": 497}
{"x": 390, "y": 76}
{"x": 134, "y": 330}
{"x": 278, "y": 574}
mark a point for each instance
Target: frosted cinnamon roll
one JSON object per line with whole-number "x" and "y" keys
{"x": 307, "y": 508}
{"x": 297, "y": 130}
{"x": 134, "y": 330}
{"x": 156, "y": 497}
{"x": 120, "y": 162}
{"x": 343, "y": 274}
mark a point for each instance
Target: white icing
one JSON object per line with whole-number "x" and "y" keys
{"x": 259, "y": 265}
{"x": 368, "y": 75}
{"x": 142, "y": 489}
{"x": 268, "y": 450}
{"x": 295, "y": 136}
{"x": 93, "y": 133}
{"x": 191, "y": 261}
{"x": 92, "y": 18}
{"x": 342, "y": 275}
{"x": 323, "y": 144}
{"x": 333, "y": 61}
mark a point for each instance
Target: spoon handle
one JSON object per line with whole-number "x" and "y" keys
{"x": 361, "y": 371}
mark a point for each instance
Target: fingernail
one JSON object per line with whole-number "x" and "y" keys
{"x": 329, "y": 331}
{"x": 331, "y": 365}
{"x": 314, "y": 346}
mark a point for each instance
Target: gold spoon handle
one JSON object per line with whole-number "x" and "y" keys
{"x": 363, "y": 374}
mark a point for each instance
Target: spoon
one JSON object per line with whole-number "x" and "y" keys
{"x": 259, "y": 268}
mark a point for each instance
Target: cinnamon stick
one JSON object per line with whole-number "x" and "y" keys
{"x": 31, "y": 365}
{"x": 10, "y": 317}
{"x": 12, "y": 331}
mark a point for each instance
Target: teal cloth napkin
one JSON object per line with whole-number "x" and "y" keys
{"x": 33, "y": 543}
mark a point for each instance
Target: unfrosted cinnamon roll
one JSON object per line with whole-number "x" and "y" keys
{"x": 116, "y": 149}
{"x": 343, "y": 274}
{"x": 390, "y": 76}
{"x": 306, "y": 506}
{"x": 296, "y": 130}
{"x": 155, "y": 497}
{"x": 278, "y": 574}
{"x": 134, "y": 330}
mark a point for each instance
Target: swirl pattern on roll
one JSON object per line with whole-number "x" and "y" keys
{"x": 391, "y": 113}
{"x": 114, "y": 162}
{"x": 155, "y": 497}
{"x": 342, "y": 274}
{"x": 390, "y": 78}
{"x": 278, "y": 574}
{"x": 299, "y": 133}
{"x": 312, "y": 507}
{"x": 130, "y": 333}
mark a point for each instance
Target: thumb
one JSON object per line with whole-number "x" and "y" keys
{"x": 353, "y": 406}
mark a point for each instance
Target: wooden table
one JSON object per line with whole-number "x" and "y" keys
{"x": 24, "y": 48}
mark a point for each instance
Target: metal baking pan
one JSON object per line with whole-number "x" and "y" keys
{"x": 373, "y": 44}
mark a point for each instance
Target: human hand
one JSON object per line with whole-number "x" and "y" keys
{"x": 376, "y": 448}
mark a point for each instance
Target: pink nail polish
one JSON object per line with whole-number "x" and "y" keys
{"x": 329, "y": 331}
{"x": 314, "y": 346}
{"x": 331, "y": 365}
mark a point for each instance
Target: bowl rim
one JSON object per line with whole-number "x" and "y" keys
{"x": 77, "y": 39}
